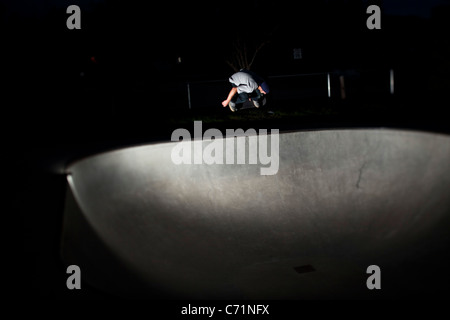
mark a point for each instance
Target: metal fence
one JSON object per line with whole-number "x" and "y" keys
{"x": 334, "y": 85}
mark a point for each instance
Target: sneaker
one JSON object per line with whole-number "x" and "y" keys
{"x": 232, "y": 106}
{"x": 256, "y": 103}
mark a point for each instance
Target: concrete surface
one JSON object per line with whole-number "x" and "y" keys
{"x": 139, "y": 225}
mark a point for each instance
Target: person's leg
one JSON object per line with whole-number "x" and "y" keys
{"x": 240, "y": 98}
{"x": 237, "y": 101}
{"x": 257, "y": 98}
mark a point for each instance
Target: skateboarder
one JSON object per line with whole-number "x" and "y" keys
{"x": 246, "y": 85}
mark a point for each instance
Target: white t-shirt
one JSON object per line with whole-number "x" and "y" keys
{"x": 244, "y": 82}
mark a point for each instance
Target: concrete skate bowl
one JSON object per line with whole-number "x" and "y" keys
{"x": 139, "y": 225}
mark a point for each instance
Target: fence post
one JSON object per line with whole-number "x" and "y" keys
{"x": 329, "y": 85}
{"x": 392, "y": 81}
{"x": 189, "y": 95}
{"x": 342, "y": 81}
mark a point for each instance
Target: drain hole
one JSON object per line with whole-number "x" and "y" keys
{"x": 304, "y": 269}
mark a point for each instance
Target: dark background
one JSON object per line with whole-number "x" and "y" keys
{"x": 123, "y": 61}
{"x": 68, "y": 93}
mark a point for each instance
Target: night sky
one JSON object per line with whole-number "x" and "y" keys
{"x": 33, "y": 8}
{"x": 147, "y": 39}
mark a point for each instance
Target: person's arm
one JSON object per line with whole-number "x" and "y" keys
{"x": 230, "y": 96}
{"x": 261, "y": 90}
